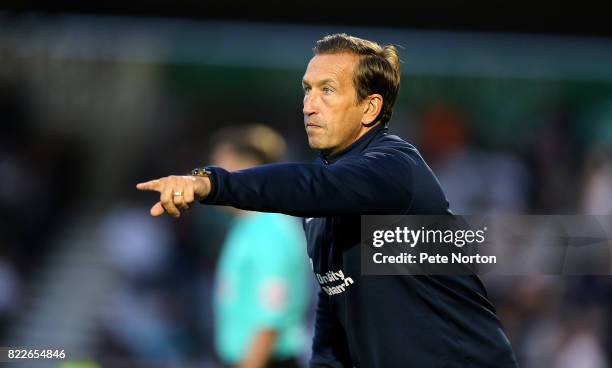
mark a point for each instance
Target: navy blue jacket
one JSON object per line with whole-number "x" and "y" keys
{"x": 373, "y": 321}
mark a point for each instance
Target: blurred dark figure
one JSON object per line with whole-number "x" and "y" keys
{"x": 555, "y": 160}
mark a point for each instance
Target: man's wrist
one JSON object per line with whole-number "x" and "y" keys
{"x": 203, "y": 182}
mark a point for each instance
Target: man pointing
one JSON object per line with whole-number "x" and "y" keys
{"x": 350, "y": 86}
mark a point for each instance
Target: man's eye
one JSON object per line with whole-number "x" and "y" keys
{"x": 306, "y": 89}
{"x": 327, "y": 90}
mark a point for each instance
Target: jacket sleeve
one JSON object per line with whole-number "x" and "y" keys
{"x": 329, "y": 345}
{"x": 371, "y": 183}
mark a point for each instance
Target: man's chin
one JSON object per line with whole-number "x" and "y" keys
{"x": 314, "y": 145}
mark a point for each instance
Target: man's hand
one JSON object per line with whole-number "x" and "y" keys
{"x": 176, "y": 193}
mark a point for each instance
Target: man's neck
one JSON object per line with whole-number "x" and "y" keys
{"x": 338, "y": 150}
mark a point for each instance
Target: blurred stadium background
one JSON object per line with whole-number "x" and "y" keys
{"x": 91, "y": 103}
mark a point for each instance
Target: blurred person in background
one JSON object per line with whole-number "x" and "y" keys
{"x": 261, "y": 289}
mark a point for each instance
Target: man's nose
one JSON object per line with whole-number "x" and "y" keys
{"x": 309, "y": 105}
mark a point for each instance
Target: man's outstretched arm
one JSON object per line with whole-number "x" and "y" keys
{"x": 374, "y": 183}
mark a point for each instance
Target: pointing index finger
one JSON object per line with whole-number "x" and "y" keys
{"x": 151, "y": 185}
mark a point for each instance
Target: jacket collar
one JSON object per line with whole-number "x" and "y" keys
{"x": 357, "y": 146}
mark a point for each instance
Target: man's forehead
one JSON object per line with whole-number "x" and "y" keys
{"x": 330, "y": 67}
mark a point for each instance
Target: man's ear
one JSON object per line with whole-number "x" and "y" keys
{"x": 372, "y": 109}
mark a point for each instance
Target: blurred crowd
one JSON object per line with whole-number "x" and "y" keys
{"x": 159, "y": 306}
{"x": 39, "y": 185}
{"x": 552, "y": 321}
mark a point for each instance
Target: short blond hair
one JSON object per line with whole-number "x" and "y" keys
{"x": 378, "y": 70}
{"x": 259, "y": 141}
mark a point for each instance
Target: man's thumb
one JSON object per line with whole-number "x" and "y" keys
{"x": 157, "y": 209}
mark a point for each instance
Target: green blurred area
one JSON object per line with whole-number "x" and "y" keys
{"x": 500, "y": 112}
